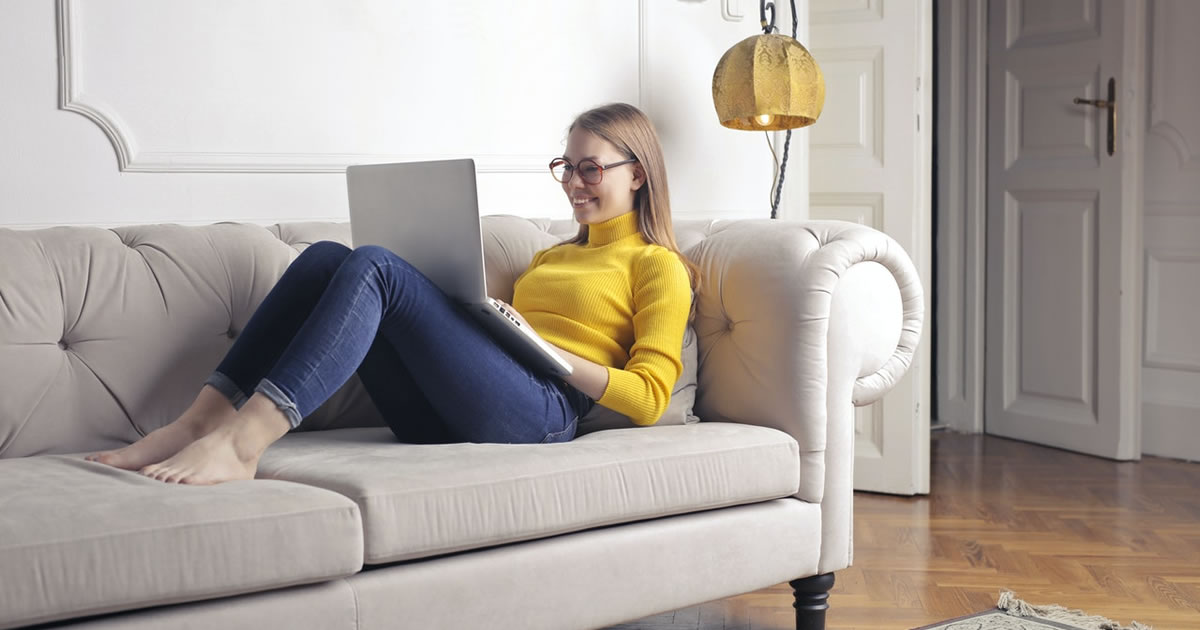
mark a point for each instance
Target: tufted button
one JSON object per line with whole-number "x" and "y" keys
{"x": 231, "y": 333}
{"x": 62, "y": 344}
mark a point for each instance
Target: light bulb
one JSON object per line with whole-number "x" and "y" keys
{"x": 763, "y": 119}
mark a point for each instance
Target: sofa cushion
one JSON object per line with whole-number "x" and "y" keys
{"x": 81, "y": 538}
{"x": 425, "y": 500}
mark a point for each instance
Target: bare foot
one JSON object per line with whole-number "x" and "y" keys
{"x": 209, "y": 411}
{"x": 227, "y": 453}
{"x": 156, "y": 446}
{"x": 211, "y": 459}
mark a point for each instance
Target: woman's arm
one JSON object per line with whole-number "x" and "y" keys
{"x": 588, "y": 377}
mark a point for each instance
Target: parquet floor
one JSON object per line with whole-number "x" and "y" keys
{"x": 1115, "y": 539}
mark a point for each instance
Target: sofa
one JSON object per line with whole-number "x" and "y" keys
{"x": 107, "y": 334}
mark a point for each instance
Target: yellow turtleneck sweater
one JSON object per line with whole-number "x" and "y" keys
{"x": 617, "y": 301}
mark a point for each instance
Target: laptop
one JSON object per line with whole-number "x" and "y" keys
{"x": 428, "y": 214}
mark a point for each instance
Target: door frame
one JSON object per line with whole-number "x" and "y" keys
{"x": 960, "y": 213}
{"x": 961, "y": 219}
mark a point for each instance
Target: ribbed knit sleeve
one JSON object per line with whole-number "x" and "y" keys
{"x": 662, "y": 299}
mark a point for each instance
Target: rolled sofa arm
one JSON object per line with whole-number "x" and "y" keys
{"x": 763, "y": 322}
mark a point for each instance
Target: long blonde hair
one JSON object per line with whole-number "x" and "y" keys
{"x": 632, "y": 133}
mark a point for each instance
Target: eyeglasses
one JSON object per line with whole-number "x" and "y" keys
{"x": 591, "y": 172}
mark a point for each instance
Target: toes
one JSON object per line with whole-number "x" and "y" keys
{"x": 163, "y": 472}
{"x": 153, "y": 471}
{"x": 177, "y": 477}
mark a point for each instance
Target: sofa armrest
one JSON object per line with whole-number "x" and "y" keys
{"x": 798, "y": 321}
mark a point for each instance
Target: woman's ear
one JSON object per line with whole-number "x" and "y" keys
{"x": 639, "y": 176}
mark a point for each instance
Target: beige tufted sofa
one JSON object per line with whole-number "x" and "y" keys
{"x": 107, "y": 334}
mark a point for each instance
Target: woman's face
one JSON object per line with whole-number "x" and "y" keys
{"x": 613, "y": 196}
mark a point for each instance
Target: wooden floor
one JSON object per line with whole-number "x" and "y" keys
{"x": 1115, "y": 539}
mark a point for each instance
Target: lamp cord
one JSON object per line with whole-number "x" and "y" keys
{"x": 788, "y": 140}
{"x": 782, "y": 170}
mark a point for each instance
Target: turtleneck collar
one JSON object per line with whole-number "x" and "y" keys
{"x": 612, "y": 230}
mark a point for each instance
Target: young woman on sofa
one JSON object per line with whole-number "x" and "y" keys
{"x": 615, "y": 300}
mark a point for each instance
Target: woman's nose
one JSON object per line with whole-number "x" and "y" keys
{"x": 575, "y": 183}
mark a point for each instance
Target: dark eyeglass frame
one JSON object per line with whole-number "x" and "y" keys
{"x": 571, "y": 168}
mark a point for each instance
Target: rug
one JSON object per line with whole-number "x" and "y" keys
{"x": 1013, "y": 614}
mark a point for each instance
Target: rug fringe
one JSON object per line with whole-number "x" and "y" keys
{"x": 1018, "y": 608}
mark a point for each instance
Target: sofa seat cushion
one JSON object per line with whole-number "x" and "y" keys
{"x": 424, "y": 500}
{"x": 80, "y": 538}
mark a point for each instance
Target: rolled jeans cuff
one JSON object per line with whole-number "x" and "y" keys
{"x": 226, "y": 386}
{"x": 281, "y": 400}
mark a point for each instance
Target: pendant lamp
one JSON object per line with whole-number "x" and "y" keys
{"x": 769, "y": 82}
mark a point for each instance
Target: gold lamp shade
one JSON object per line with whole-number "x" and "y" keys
{"x": 768, "y": 82}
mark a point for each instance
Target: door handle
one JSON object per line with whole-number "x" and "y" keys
{"x": 1111, "y": 105}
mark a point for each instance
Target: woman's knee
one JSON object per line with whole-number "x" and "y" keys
{"x": 375, "y": 256}
{"x": 325, "y": 254}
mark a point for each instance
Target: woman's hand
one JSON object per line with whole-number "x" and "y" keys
{"x": 512, "y": 311}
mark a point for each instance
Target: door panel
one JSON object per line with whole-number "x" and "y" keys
{"x": 870, "y": 163}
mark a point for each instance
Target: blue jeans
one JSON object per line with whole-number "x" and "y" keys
{"x": 433, "y": 372}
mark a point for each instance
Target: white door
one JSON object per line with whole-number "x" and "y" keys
{"x": 870, "y": 163}
{"x": 1062, "y": 334}
{"x": 1171, "y": 372}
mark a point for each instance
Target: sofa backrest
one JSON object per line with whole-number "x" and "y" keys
{"x": 107, "y": 334}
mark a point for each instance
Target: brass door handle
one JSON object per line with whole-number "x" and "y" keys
{"x": 1111, "y": 105}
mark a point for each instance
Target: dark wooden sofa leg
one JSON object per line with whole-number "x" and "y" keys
{"x": 812, "y": 600}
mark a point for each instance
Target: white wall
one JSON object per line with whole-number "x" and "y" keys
{"x": 138, "y": 111}
{"x": 1171, "y": 367}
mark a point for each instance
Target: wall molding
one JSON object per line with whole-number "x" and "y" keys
{"x": 73, "y": 97}
{"x": 108, "y": 225}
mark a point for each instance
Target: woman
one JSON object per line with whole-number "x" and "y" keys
{"x": 615, "y": 300}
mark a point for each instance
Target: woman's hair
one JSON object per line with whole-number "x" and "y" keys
{"x": 632, "y": 133}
